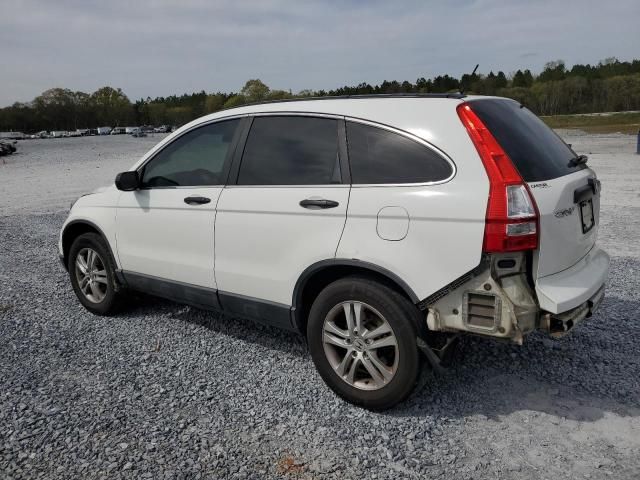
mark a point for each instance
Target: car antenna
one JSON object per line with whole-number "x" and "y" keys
{"x": 463, "y": 87}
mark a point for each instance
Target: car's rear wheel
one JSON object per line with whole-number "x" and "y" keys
{"x": 362, "y": 338}
{"x": 92, "y": 274}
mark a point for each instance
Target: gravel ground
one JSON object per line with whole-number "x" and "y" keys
{"x": 168, "y": 391}
{"x": 46, "y": 175}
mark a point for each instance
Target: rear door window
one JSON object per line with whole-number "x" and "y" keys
{"x": 291, "y": 150}
{"x": 381, "y": 156}
{"x": 535, "y": 150}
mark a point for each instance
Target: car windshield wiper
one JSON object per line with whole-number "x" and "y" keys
{"x": 579, "y": 160}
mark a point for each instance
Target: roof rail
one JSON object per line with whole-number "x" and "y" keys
{"x": 456, "y": 95}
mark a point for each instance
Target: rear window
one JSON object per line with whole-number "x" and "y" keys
{"x": 380, "y": 156}
{"x": 535, "y": 150}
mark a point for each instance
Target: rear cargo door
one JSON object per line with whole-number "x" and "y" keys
{"x": 565, "y": 190}
{"x": 569, "y": 209}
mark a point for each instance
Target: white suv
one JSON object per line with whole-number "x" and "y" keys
{"x": 379, "y": 227}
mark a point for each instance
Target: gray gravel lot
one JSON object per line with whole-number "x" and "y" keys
{"x": 168, "y": 391}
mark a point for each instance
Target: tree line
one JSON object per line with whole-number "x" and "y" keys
{"x": 609, "y": 86}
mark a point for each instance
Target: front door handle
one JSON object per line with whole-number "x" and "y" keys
{"x": 196, "y": 200}
{"x": 315, "y": 204}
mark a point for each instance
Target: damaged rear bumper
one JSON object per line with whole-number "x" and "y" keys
{"x": 499, "y": 300}
{"x": 559, "y": 324}
{"x": 571, "y": 288}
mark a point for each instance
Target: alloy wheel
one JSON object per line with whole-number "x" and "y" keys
{"x": 91, "y": 275}
{"x": 360, "y": 345}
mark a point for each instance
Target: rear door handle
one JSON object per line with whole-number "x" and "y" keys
{"x": 196, "y": 200}
{"x": 315, "y": 204}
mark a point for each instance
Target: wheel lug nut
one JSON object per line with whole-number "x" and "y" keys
{"x": 369, "y": 341}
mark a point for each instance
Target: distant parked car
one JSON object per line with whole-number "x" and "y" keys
{"x": 13, "y": 135}
{"x": 83, "y": 131}
{"x": 162, "y": 129}
{"x": 118, "y": 131}
{"x": 138, "y": 132}
{"x": 41, "y": 134}
{"x": 104, "y": 130}
{"x": 129, "y": 130}
{"x": 59, "y": 133}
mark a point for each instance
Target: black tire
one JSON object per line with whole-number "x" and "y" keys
{"x": 398, "y": 312}
{"x": 113, "y": 295}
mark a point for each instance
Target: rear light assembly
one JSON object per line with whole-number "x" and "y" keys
{"x": 511, "y": 222}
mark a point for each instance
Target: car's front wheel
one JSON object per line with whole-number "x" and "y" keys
{"x": 362, "y": 338}
{"x": 92, "y": 274}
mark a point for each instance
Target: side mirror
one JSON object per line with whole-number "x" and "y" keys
{"x": 127, "y": 181}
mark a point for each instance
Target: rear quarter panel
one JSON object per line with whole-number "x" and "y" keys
{"x": 446, "y": 221}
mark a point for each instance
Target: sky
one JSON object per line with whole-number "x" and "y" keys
{"x": 165, "y": 47}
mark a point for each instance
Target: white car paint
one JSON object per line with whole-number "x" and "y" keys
{"x": 562, "y": 242}
{"x": 575, "y": 285}
{"x": 265, "y": 239}
{"x": 158, "y": 234}
{"x": 392, "y": 223}
{"x": 442, "y": 217}
{"x": 98, "y": 208}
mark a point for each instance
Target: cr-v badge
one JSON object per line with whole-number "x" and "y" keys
{"x": 565, "y": 212}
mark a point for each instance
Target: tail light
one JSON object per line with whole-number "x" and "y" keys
{"x": 512, "y": 216}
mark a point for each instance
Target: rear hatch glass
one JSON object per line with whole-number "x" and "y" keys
{"x": 568, "y": 206}
{"x": 535, "y": 150}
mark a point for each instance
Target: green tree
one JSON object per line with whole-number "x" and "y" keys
{"x": 442, "y": 84}
{"x": 548, "y": 97}
{"x": 235, "y": 101}
{"x": 575, "y": 95}
{"x": 279, "y": 95}
{"x": 501, "y": 80}
{"x": 611, "y": 85}
{"x": 423, "y": 85}
{"x": 622, "y": 93}
{"x": 56, "y": 107}
{"x": 179, "y": 115}
{"x": 213, "y": 103}
{"x": 83, "y": 115}
{"x": 112, "y": 106}
{"x": 520, "y": 94}
{"x": 553, "y": 71}
{"x": 157, "y": 113}
{"x": 254, "y": 91}
{"x": 522, "y": 79}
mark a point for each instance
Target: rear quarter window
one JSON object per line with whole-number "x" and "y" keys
{"x": 378, "y": 156}
{"x": 536, "y": 151}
